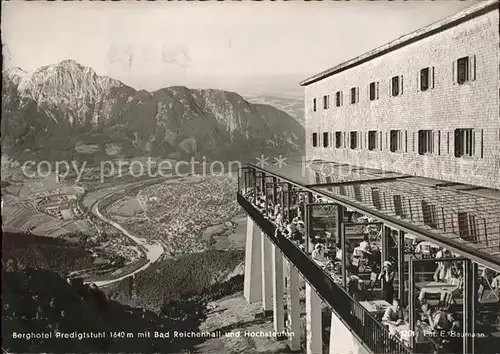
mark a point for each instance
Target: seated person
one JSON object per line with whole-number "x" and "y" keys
{"x": 440, "y": 321}
{"x": 297, "y": 235}
{"x": 427, "y": 313}
{"x": 318, "y": 255}
{"x": 394, "y": 314}
{"x": 455, "y": 323}
{"x": 365, "y": 245}
{"x": 355, "y": 285}
{"x": 357, "y": 256}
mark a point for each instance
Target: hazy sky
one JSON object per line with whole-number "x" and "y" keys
{"x": 250, "y": 47}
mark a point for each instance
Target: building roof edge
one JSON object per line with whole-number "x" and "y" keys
{"x": 436, "y": 27}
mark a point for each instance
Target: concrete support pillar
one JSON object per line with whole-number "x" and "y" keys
{"x": 278, "y": 303}
{"x": 267, "y": 275}
{"x": 341, "y": 338}
{"x": 252, "y": 288}
{"x": 294, "y": 309}
{"x": 314, "y": 338}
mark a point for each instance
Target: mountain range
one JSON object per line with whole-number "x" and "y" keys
{"x": 67, "y": 111}
{"x": 294, "y": 106}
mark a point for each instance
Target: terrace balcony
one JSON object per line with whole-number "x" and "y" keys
{"x": 338, "y": 215}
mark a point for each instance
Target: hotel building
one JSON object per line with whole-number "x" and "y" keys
{"x": 401, "y": 186}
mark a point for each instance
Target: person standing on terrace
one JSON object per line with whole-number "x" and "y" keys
{"x": 387, "y": 277}
{"x": 443, "y": 270}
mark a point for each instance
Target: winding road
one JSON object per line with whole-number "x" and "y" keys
{"x": 153, "y": 251}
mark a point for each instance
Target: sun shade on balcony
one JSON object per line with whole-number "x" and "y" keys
{"x": 462, "y": 217}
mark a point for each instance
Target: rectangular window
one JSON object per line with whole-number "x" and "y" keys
{"x": 429, "y": 214}
{"x": 463, "y": 226}
{"x": 328, "y": 180}
{"x": 325, "y": 139}
{"x": 462, "y": 70}
{"x": 315, "y": 139}
{"x": 318, "y": 178}
{"x": 376, "y": 198}
{"x": 425, "y": 142}
{"x": 424, "y": 79}
{"x": 338, "y": 140}
{"x": 448, "y": 142}
{"x": 395, "y": 86}
{"x": 314, "y": 105}
{"x": 464, "y": 142}
{"x": 354, "y": 95}
{"x": 373, "y": 91}
{"x": 396, "y": 140}
{"x": 398, "y": 206}
{"x": 357, "y": 193}
{"x": 372, "y": 140}
{"x": 354, "y": 140}
{"x": 338, "y": 98}
{"x": 325, "y": 102}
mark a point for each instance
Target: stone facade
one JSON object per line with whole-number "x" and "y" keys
{"x": 441, "y": 109}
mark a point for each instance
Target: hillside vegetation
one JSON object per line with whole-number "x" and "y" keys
{"x": 194, "y": 275}
{"x": 38, "y": 252}
{"x": 40, "y": 301}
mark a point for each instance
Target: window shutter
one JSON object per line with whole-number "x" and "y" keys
{"x": 341, "y": 98}
{"x": 431, "y": 78}
{"x": 455, "y": 72}
{"x": 357, "y": 94}
{"x": 420, "y": 140}
{"x": 381, "y": 146}
{"x": 439, "y": 142}
{"x": 406, "y": 134}
{"x": 418, "y": 81}
{"x": 377, "y": 88}
{"x": 401, "y": 85}
{"x": 482, "y": 143}
{"x": 472, "y": 67}
{"x": 473, "y": 152}
{"x": 477, "y": 143}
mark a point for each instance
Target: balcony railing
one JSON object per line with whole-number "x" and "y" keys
{"x": 362, "y": 324}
